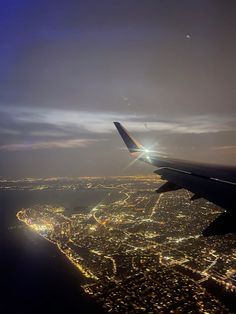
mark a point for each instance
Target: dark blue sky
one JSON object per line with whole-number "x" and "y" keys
{"x": 166, "y": 69}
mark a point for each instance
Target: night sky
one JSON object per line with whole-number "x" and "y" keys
{"x": 166, "y": 69}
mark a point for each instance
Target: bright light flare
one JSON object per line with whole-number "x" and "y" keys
{"x": 146, "y": 153}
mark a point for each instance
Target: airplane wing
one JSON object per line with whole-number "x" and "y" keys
{"x": 215, "y": 183}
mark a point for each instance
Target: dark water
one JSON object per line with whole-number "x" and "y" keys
{"x": 35, "y": 276}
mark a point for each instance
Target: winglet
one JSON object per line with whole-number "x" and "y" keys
{"x": 130, "y": 142}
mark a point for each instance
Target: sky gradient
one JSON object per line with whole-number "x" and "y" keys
{"x": 166, "y": 69}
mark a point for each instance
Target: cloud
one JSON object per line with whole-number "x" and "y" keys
{"x": 74, "y": 143}
{"x": 101, "y": 122}
{"x": 230, "y": 148}
{"x": 45, "y": 128}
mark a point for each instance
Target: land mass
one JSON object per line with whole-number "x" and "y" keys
{"x": 139, "y": 251}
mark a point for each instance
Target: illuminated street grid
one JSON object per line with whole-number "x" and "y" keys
{"x": 139, "y": 251}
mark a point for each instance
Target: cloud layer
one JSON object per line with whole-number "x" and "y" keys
{"x": 44, "y": 128}
{"x": 49, "y": 144}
